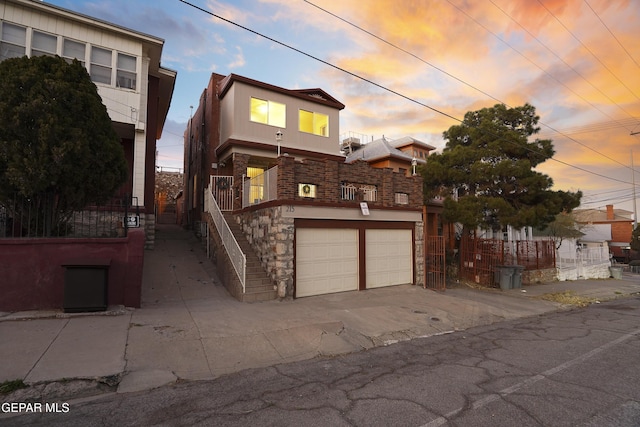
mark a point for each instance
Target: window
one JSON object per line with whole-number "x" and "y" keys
{"x": 100, "y": 65}
{"x": 43, "y": 44}
{"x": 268, "y": 112}
{"x": 13, "y": 40}
{"x": 73, "y": 50}
{"x": 126, "y": 73}
{"x": 315, "y": 123}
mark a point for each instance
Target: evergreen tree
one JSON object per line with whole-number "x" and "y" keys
{"x": 58, "y": 147}
{"x": 486, "y": 172}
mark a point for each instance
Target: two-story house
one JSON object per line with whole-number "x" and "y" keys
{"x": 270, "y": 158}
{"x": 124, "y": 65}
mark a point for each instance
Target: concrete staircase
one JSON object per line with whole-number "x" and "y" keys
{"x": 258, "y": 286}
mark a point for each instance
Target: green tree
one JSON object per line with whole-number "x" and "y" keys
{"x": 486, "y": 172}
{"x": 563, "y": 227}
{"x": 58, "y": 147}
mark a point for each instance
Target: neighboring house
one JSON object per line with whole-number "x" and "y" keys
{"x": 619, "y": 221}
{"x": 400, "y": 155}
{"x": 125, "y": 66}
{"x": 310, "y": 222}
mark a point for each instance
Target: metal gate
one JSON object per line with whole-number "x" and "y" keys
{"x": 222, "y": 189}
{"x": 435, "y": 265}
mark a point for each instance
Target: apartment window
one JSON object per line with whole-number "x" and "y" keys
{"x": 13, "y": 41}
{"x": 315, "y": 123}
{"x": 126, "y": 72}
{"x": 268, "y": 112}
{"x": 43, "y": 44}
{"x": 100, "y": 65}
{"x": 73, "y": 50}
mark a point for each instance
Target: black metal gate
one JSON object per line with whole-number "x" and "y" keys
{"x": 435, "y": 265}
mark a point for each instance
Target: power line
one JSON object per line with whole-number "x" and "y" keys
{"x": 565, "y": 62}
{"x": 380, "y": 86}
{"x": 526, "y": 58}
{"x": 589, "y": 50}
{"x": 612, "y": 35}
{"x": 473, "y": 87}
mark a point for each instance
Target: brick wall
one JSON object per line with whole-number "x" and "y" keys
{"x": 621, "y": 231}
{"x": 328, "y": 175}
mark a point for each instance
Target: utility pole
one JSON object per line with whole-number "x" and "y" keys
{"x": 633, "y": 182}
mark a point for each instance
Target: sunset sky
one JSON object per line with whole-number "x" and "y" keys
{"x": 419, "y": 63}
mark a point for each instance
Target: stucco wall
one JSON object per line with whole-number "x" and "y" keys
{"x": 32, "y": 272}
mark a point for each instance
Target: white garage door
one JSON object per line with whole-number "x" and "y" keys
{"x": 389, "y": 258}
{"x": 326, "y": 261}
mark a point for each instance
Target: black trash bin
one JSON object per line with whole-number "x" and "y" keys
{"x": 85, "y": 285}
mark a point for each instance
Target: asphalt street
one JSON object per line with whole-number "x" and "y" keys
{"x": 567, "y": 368}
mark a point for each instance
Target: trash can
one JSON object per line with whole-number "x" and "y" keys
{"x": 517, "y": 276}
{"x": 616, "y": 272}
{"x": 85, "y": 285}
{"x": 505, "y": 273}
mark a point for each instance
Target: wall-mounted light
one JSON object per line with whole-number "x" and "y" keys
{"x": 279, "y": 140}
{"x": 414, "y": 163}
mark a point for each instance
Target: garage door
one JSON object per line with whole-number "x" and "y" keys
{"x": 326, "y": 261}
{"x": 389, "y": 258}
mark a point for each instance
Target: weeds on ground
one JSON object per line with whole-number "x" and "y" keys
{"x": 11, "y": 386}
{"x": 568, "y": 298}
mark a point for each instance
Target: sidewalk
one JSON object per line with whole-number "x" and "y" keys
{"x": 190, "y": 328}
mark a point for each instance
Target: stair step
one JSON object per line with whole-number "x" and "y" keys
{"x": 258, "y": 286}
{"x": 260, "y": 296}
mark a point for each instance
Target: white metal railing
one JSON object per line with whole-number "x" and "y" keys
{"x": 350, "y": 191}
{"x": 261, "y": 188}
{"x": 237, "y": 257}
{"x": 222, "y": 188}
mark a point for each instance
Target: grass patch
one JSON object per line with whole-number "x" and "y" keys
{"x": 568, "y": 298}
{"x": 11, "y": 386}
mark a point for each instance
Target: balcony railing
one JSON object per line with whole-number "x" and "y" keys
{"x": 350, "y": 192}
{"x": 261, "y": 188}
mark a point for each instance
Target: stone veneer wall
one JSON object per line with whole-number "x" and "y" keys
{"x": 530, "y": 277}
{"x": 271, "y": 236}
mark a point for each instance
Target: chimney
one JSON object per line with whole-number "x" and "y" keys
{"x": 610, "y": 215}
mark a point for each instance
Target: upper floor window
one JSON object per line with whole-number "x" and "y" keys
{"x": 13, "y": 41}
{"x": 268, "y": 112}
{"x": 315, "y": 123}
{"x": 126, "y": 72}
{"x": 43, "y": 44}
{"x": 73, "y": 50}
{"x": 100, "y": 70}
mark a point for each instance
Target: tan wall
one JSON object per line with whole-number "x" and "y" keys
{"x": 236, "y": 123}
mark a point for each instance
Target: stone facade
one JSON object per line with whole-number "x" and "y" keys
{"x": 530, "y": 277}
{"x": 271, "y": 237}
